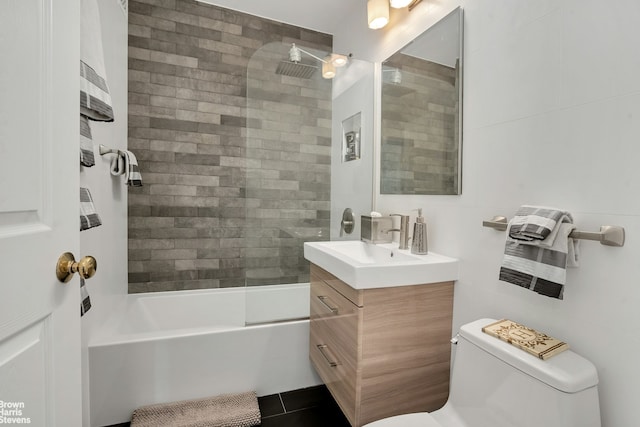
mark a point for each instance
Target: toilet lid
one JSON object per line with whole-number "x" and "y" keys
{"x": 420, "y": 419}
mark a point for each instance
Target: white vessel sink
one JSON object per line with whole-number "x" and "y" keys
{"x": 364, "y": 265}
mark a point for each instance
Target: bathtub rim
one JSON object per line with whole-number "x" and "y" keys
{"x": 108, "y": 333}
{"x": 175, "y": 334}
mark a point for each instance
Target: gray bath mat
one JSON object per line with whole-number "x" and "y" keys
{"x": 228, "y": 410}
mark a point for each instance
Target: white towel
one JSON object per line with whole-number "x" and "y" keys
{"x": 95, "y": 100}
{"x": 538, "y": 263}
{"x": 125, "y": 163}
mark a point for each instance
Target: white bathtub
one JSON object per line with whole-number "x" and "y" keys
{"x": 183, "y": 345}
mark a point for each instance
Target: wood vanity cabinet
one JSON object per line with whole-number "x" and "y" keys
{"x": 381, "y": 352}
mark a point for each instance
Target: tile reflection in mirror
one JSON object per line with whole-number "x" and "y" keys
{"x": 421, "y": 113}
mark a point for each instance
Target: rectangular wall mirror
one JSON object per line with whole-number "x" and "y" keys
{"x": 421, "y": 113}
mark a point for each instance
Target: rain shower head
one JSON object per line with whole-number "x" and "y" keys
{"x": 293, "y": 67}
{"x": 296, "y": 69}
{"x": 392, "y": 83}
{"x": 391, "y": 75}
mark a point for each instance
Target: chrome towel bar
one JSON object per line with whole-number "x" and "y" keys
{"x": 609, "y": 235}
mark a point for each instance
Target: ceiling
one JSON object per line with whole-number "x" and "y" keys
{"x": 324, "y": 15}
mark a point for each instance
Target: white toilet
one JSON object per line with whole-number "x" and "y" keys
{"x": 495, "y": 384}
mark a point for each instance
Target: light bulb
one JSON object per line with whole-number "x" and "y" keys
{"x": 328, "y": 70}
{"x": 338, "y": 60}
{"x": 377, "y": 13}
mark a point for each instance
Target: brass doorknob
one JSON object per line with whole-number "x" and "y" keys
{"x": 67, "y": 267}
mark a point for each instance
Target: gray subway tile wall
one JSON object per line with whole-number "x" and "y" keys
{"x": 235, "y": 158}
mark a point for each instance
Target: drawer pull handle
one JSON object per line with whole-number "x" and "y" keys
{"x": 323, "y": 300}
{"x": 321, "y": 349}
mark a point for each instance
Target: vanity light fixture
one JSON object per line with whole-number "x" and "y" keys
{"x": 328, "y": 69}
{"x": 413, "y": 4}
{"x": 338, "y": 60}
{"x": 399, "y": 4}
{"x": 329, "y": 63}
{"x": 377, "y": 13}
{"x": 378, "y": 10}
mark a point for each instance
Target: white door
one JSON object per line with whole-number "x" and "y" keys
{"x": 39, "y": 206}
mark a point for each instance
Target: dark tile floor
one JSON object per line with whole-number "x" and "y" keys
{"x": 307, "y": 407}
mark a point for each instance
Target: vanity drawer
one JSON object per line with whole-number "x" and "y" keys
{"x": 338, "y": 375}
{"x": 353, "y": 295}
{"x": 336, "y": 320}
{"x": 335, "y": 344}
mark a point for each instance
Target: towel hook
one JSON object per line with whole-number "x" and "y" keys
{"x": 106, "y": 150}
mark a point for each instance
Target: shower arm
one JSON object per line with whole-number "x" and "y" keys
{"x": 310, "y": 54}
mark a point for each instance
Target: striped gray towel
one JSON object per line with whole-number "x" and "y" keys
{"x": 125, "y": 163}
{"x": 536, "y": 222}
{"x": 132, "y": 171}
{"x": 85, "y": 301}
{"x": 95, "y": 100}
{"x": 89, "y": 218}
{"x": 540, "y": 264}
{"x": 87, "y": 157}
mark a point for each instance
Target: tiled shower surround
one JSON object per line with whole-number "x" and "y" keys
{"x": 235, "y": 158}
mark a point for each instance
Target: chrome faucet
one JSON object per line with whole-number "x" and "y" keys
{"x": 404, "y": 231}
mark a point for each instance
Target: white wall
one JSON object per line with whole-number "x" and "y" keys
{"x": 352, "y": 181}
{"x": 108, "y": 242}
{"x": 551, "y": 117}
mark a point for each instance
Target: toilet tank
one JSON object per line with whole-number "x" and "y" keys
{"x": 495, "y": 384}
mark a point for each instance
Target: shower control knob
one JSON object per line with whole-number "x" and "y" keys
{"x": 347, "y": 223}
{"x": 67, "y": 267}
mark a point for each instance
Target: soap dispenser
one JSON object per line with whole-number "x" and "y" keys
{"x": 419, "y": 240}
